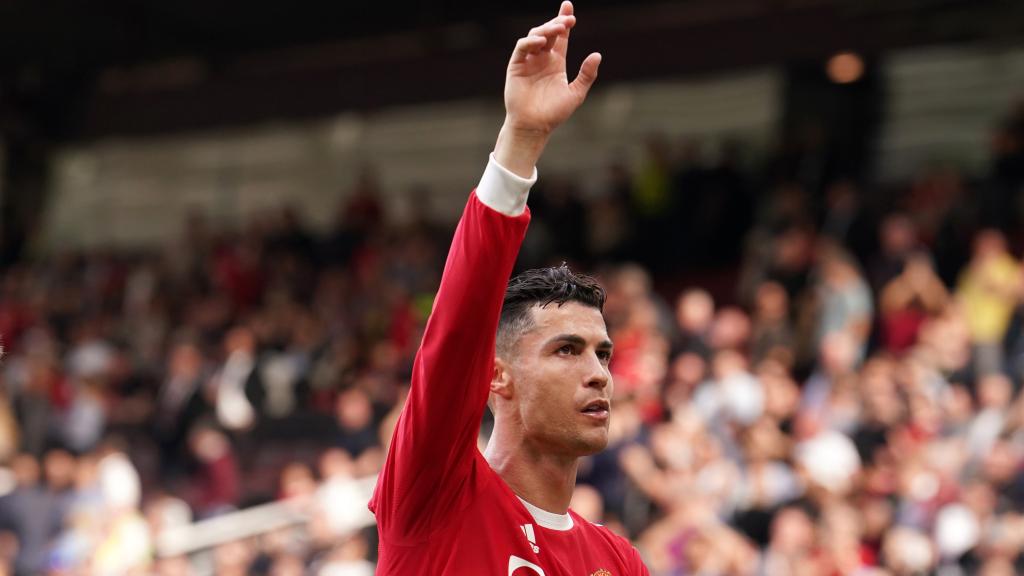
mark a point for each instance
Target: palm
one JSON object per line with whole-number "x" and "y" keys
{"x": 538, "y": 94}
{"x": 539, "y": 91}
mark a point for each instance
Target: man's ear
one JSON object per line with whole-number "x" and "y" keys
{"x": 501, "y": 379}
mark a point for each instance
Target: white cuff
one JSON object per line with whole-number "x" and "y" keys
{"x": 503, "y": 191}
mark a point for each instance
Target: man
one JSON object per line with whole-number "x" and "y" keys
{"x": 442, "y": 507}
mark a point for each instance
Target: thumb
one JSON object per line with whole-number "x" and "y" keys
{"x": 588, "y": 74}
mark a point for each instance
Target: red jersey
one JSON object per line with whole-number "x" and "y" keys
{"x": 441, "y": 509}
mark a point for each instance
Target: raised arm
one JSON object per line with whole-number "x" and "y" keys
{"x": 434, "y": 447}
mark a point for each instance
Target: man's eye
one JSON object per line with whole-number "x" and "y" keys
{"x": 567, "y": 349}
{"x": 605, "y": 356}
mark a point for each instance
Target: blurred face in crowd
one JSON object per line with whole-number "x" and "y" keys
{"x": 897, "y": 234}
{"x": 764, "y": 441}
{"x": 839, "y": 353}
{"x": 208, "y": 444}
{"x": 793, "y": 250}
{"x": 643, "y": 315}
{"x": 792, "y": 532}
{"x": 232, "y": 558}
{"x": 772, "y": 302}
{"x": 177, "y": 566}
{"x": 782, "y": 395}
{"x": 633, "y": 283}
{"x": 695, "y": 311}
{"x": 335, "y": 463}
{"x": 26, "y": 470}
{"x": 186, "y": 361}
{"x": 988, "y": 244}
{"x": 555, "y": 384}
{"x": 994, "y": 391}
{"x": 728, "y": 363}
{"x": 59, "y": 467}
{"x": 287, "y": 565}
{"x": 297, "y": 480}
{"x": 877, "y": 515}
{"x": 918, "y": 269}
{"x": 240, "y": 339}
{"x": 980, "y": 498}
{"x": 841, "y": 522}
{"x": 731, "y": 329}
{"x": 354, "y": 410}
{"x": 837, "y": 271}
{"x": 1001, "y": 464}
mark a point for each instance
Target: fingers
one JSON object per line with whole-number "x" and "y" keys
{"x": 553, "y": 39}
{"x": 556, "y": 31}
{"x": 561, "y": 42}
{"x": 588, "y": 74}
{"x": 543, "y": 37}
{"x": 556, "y": 25}
{"x": 526, "y": 46}
{"x": 555, "y": 35}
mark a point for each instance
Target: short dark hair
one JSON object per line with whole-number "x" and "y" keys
{"x": 541, "y": 287}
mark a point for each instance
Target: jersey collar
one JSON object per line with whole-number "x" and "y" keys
{"x": 549, "y": 520}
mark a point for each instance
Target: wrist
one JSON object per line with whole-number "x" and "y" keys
{"x": 518, "y": 149}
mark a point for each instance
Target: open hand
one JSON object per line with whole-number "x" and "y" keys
{"x": 538, "y": 94}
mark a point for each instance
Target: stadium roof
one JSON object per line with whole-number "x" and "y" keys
{"x": 72, "y": 69}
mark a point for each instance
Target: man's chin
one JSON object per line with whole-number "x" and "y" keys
{"x": 593, "y": 442}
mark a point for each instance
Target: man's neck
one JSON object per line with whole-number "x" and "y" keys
{"x": 542, "y": 479}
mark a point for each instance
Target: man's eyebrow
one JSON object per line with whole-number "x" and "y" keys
{"x": 577, "y": 340}
{"x": 568, "y": 339}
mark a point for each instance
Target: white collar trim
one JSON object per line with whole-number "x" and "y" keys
{"x": 549, "y": 520}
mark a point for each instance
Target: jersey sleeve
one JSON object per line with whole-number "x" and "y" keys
{"x": 431, "y": 458}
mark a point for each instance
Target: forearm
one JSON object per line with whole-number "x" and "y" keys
{"x": 934, "y": 297}
{"x": 519, "y": 149}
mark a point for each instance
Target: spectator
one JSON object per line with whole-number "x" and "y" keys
{"x": 38, "y": 383}
{"x": 180, "y": 404}
{"x": 897, "y": 238}
{"x": 356, "y": 431}
{"x": 30, "y": 512}
{"x": 236, "y": 382}
{"x": 217, "y": 483}
{"x": 695, "y": 312}
{"x": 845, "y": 299}
{"x": 907, "y": 301}
{"x": 123, "y": 541}
{"x": 772, "y": 333}
{"x": 988, "y": 290}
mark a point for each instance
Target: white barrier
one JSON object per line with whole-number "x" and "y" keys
{"x": 257, "y": 520}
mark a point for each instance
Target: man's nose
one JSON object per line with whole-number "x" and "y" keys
{"x": 597, "y": 376}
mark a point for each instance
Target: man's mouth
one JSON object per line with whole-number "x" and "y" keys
{"x": 598, "y": 409}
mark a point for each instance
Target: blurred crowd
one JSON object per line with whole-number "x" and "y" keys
{"x": 812, "y": 377}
